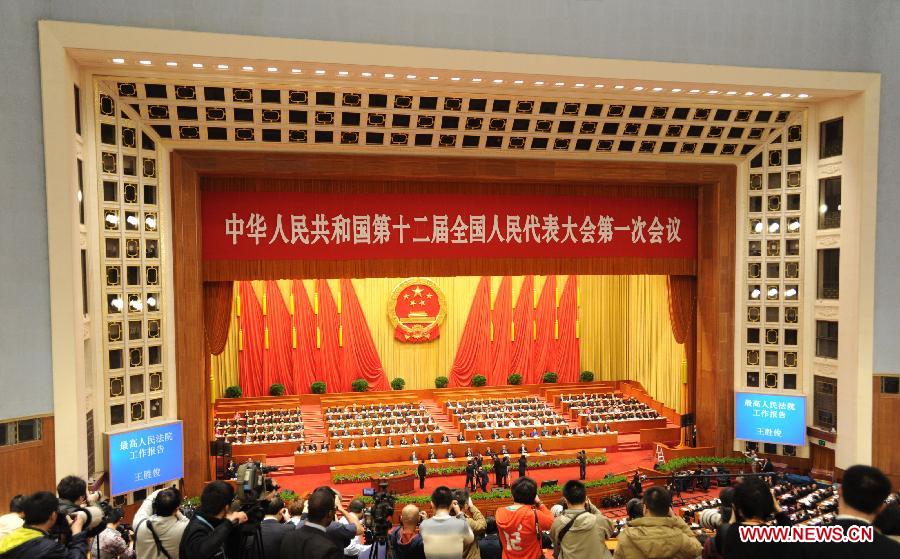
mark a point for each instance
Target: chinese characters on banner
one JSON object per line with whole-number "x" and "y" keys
{"x": 298, "y": 226}
{"x": 770, "y": 418}
{"x": 145, "y": 457}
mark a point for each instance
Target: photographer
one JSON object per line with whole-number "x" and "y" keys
{"x": 520, "y": 524}
{"x": 114, "y": 542}
{"x": 310, "y": 541}
{"x": 350, "y": 519}
{"x": 476, "y": 521}
{"x": 580, "y": 531}
{"x": 32, "y": 540}
{"x": 159, "y": 525}
{"x": 212, "y": 533}
{"x": 405, "y": 539}
{"x": 446, "y": 534}
{"x": 273, "y": 527}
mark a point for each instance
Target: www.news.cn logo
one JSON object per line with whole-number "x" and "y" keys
{"x": 806, "y": 534}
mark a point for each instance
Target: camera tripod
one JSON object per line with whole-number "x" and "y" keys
{"x": 251, "y": 546}
{"x": 382, "y": 543}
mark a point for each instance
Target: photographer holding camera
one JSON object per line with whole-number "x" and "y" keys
{"x": 33, "y": 541}
{"x": 159, "y": 525}
{"x": 405, "y": 539}
{"x": 212, "y": 533}
{"x": 446, "y": 534}
{"x": 116, "y": 541}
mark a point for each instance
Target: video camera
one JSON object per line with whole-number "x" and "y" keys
{"x": 377, "y": 519}
{"x": 253, "y": 488}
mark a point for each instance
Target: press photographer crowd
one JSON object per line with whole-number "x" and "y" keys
{"x": 248, "y": 519}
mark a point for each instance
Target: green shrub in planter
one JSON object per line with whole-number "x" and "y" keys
{"x": 441, "y": 382}
{"x": 277, "y": 390}
{"x": 586, "y": 376}
{"x": 398, "y": 383}
{"x": 551, "y": 377}
{"x": 479, "y": 380}
{"x": 318, "y": 387}
{"x": 233, "y": 392}
{"x": 360, "y": 385}
{"x": 514, "y": 378}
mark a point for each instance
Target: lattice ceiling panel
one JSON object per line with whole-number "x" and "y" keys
{"x": 187, "y": 113}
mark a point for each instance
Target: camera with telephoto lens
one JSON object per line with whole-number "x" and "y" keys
{"x": 378, "y": 518}
{"x": 253, "y": 488}
{"x": 97, "y": 514}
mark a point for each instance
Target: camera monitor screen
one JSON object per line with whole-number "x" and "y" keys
{"x": 145, "y": 457}
{"x": 770, "y": 418}
{"x": 368, "y": 491}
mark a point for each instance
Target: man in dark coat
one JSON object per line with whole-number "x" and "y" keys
{"x": 498, "y": 471}
{"x": 582, "y": 465}
{"x": 422, "y": 471}
{"x": 310, "y": 541}
{"x": 212, "y": 532}
{"x": 504, "y": 468}
{"x": 470, "y": 474}
{"x": 31, "y": 541}
{"x": 274, "y": 527}
{"x": 523, "y": 465}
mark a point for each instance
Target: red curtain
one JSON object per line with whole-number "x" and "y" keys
{"x": 217, "y": 297}
{"x": 305, "y": 355}
{"x": 250, "y": 360}
{"x": 330, "y": 351}
{"x": 568, "y": 356}
{"x": 360, "y": 358}
{"x": 681, "y": 305}
{"x": 501, "y": 319}
{"x": 523, "y": 323}
{"x": 543, "y": 342}
{"x": 278, "y": 364}
{"x": 473, "y": 353}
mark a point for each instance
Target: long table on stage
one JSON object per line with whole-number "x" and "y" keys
{"x": 630, "y": 425}
{"x": 404, "y": 453}
{"x": 486, "y": 432}
{"x": 401, "y": 485}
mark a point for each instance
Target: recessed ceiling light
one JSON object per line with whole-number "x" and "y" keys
{"x": 197, "y": 65}
{"x": 366, "y": 74}
{"x": 410, "y": 76}
{"x": 731, "y": 93}
{"x": 538, "y": 83}
{"x": 802, "y": 95}
{"x": 638, "y": 88}
{"x": 657, "y": 89}
{"x": 599, "y": 85}
{"x": 694, "y": 91}
{"x": 620, "y": 87}
{"x": 145, "y": 62}
{"x": 455, "y": 79}
{"x": 785, "y": 95}
{"x": 519, "y": 82}
{"x": 343, "y": 73}
{"x": 296, "y": 71}
{"x": 749, "y": 93}
{"x": 171, "y": 63}
{"x": 713, "y": 91}
{"x": 498, "y": 81}
{"x": 320, "y": 72}
{"x": 433, "y": 77}
{"x": 767, "y": 94}
{"x": 558, "y": 84}
{"x": 222, "y": 66}
{"x": 388, "y": 76}
{"x": 579, "y": 85}
{"x": 676, "y": 90}
{"x": 271, "y": 69}
{"x": 476, "y": 80}
{"x": 118, "y": 61}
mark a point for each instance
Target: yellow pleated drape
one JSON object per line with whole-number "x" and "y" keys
{"x": 224, "y": 371}
{"x": 626, "y": 334}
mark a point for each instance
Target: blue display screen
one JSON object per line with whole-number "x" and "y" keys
{"x": 770, "y": 418}
{"x": 145, "y": 457}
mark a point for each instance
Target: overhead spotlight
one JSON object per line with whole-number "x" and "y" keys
{"x": 136, "y": 305}
{"x": 222, "y": 66}
{"x": 150, "y": 222}
{"x": 657, "y": 89}
{"x": 713, "y": 91}
{"x": 538, "y": 83}
{"x": 638, "y": 88}
{"x": 676, "y": 90}
{"x": 366, "y": 74}
{"x": 117, "y": 303}
{"x": 599, "y": 85}
{"x": 694, "y": 91}
{"x": 794, "y": 225}
{"x": 755, "y": 293}
{"x": 433, "y": 77}
{"x": 498, "y": 81}
{"x": 772, "y": 292}
{"x": 559, "y": 84}
{"x": 455, "y": 79}
{"x": 785, "y": 95}
{"x": 112, "y": 219}
{"x": 197, "y": 65}
{"x": 320, "y": 72}
{"x": 271, "y": 69}
{"x": 171, "y": 64}
{"x": 767, "y": 94}
{"x": 758, "y": 227}
{"x": 296, "y": 71}
{"x": 388, "y": 76}
{"x": 519, "y": 82}
{"x": 476, "y": 80}
{"x": 145, "y": 62}
{"x": 579, "y": 85}
{"x": 410, "y": 76}
{"x": 247, "y": 68}
{"x": 731, "y": 93}
{"x": 823, "y": 208}
{"x": 620, "y": 87}
{"x": 749, "y": 93}
{"x": 802, "y": 95}
{"x": 151, "y": 301}
{"x": 132, "y": 220}
{"x": 118, "y": 61}
{"x": 774, "y": 227}
{"x": 790, "y": 292}
{"x": 343, "y": 73}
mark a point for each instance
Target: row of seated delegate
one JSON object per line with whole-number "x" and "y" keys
{"x": 389, "y": 426}
{"x": 372, "y": 411}
{"x": 607, "y": 407}
{"x": 543, "y": 432}
{"x": 498, "y": 413}
{"x": 260, "y": 426}
{"x": 353, "y": 422}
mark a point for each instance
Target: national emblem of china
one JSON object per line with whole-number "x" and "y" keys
{"x": 416, "y": 309}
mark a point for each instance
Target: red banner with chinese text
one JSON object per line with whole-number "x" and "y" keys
{"x": 313, "y": 226}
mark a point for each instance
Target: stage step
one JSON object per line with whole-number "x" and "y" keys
{"x": 313, "y": 424}
{"x": 629, "y": 445}
{"x": 441, "y": 418}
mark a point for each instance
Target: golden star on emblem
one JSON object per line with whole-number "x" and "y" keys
{"x": 429, "y": 295}
{"x": 418, "y": 290}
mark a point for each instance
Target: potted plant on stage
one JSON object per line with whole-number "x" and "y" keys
{"x": 398, "y": 383}
{"x": 586, "y": 376}
{"x": 277, "y": 389}
{"x": 233, "y": 392}
{"x": 550, "y": 377}
{"x": 514, "y": 379}
{"x": 317, "y": 387}
{"x": 479, "y": 380}
{"x": 360, "y": 385}
{"x": 441, "y": 382}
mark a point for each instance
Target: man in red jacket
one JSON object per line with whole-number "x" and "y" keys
{"x": 520, "y": 524}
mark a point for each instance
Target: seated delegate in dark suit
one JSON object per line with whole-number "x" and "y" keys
{"x": 860, "y": 499}
{"x": 310, "y": 541}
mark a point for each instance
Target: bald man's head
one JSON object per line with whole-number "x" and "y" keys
{"x": 409, "y": 516}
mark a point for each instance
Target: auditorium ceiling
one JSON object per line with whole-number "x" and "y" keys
{"x": 279, "y": 105}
